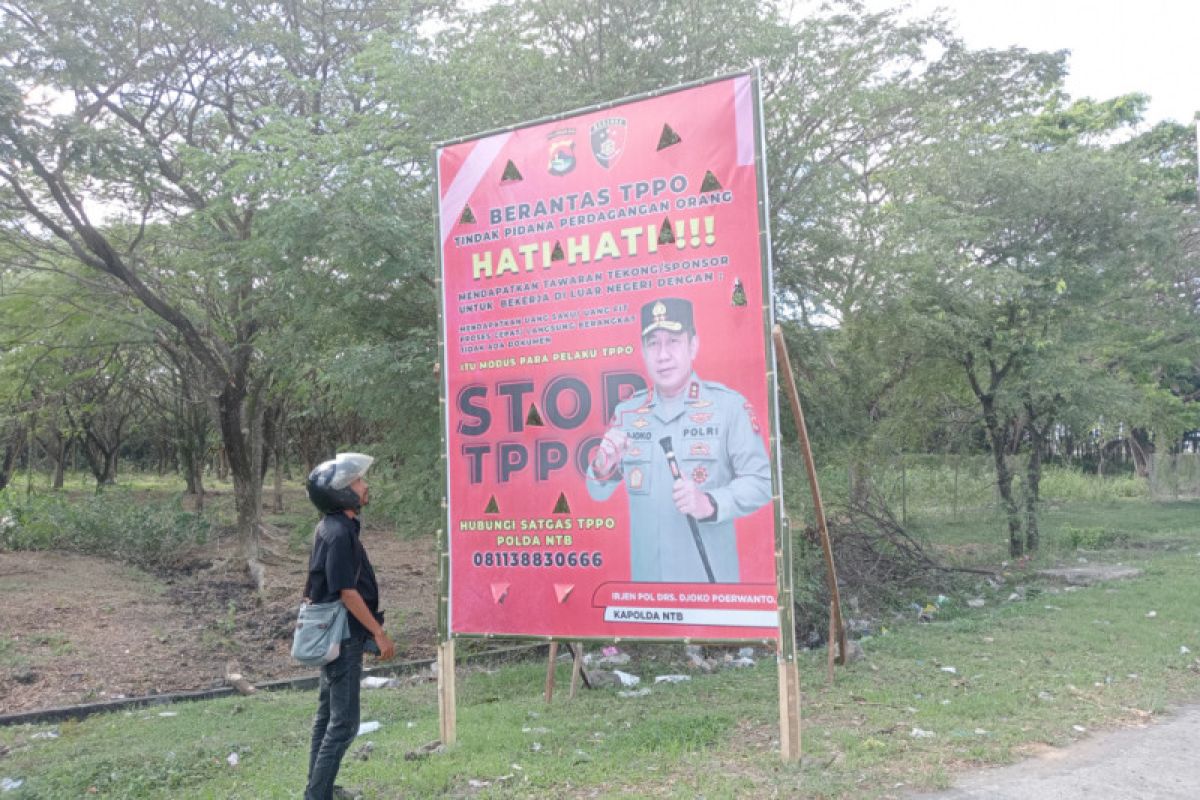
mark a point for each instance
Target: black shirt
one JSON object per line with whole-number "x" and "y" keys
{"x": 339, "y": 561}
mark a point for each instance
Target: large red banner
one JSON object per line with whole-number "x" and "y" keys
{"x": 605, "y": 311}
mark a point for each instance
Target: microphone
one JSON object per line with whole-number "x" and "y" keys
{"x": 669, "y": 450}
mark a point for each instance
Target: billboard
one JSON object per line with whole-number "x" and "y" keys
{"x": 608, "y": 406}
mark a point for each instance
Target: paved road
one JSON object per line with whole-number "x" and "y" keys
{"x": 1158, "y": 762}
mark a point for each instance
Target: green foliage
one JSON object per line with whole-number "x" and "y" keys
{"x": 115, "y": 524}
{"x": 1090, "y": 538}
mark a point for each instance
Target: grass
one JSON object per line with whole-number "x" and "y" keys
{"x": 989, "y": 684}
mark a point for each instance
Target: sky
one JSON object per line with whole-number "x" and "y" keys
{"x": 1117, "y": 46}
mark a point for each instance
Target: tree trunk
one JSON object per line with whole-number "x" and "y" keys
{"x": 110, "y": 466}
{"x": 1004, "y": 477}
{"x": 12, "y": 449}
{"x": 102, "y": 461}
{"x": 860, "y": 482}
{"x": 60, "y": 465}
{"x": 278, "y": 507}
{"x": 1141, "y": 448}
{"x": 240, "y": 418}
{"x": 1033, "y": 481}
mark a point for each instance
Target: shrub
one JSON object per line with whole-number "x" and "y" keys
{"x": 114, "y": 524}
{"x": 1090, "y": 537}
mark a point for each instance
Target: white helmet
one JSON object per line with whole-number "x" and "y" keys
{"x": 327, "y": 483}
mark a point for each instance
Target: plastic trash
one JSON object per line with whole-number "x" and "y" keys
{"x": 627, "y": 679}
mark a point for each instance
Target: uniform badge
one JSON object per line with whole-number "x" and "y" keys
{"x": 642, "y": 410}
{"x": 608, "y": 140}
{"x": 699, "y": 475}
{"x": 701, "y": 417}
{"x": 635, "y": 478}
{"x": 634, "y": 452}
{"x": 693, "y": 391}
{"x": 753, "y": 419}
{"x": 700, "y": 449}
{"x": 640, "y": 423}
{"x": 699, "y": 403}
{"x": 562, "y": 151}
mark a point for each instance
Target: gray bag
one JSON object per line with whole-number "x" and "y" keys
{"x": 320, "y": 629}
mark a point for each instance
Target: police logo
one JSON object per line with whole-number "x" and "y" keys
{"x": 562, "y": 151}
{"x": 640, "y": 423}
{"x": 701, "y": 417}
{"x": 608, "y": 140}
{"x": 699, "y": 475}
{"x": 700, "y": 449}
{"x": 635, "y": 478}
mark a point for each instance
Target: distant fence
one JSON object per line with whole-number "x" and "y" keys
{"x": 1175, "y": 476}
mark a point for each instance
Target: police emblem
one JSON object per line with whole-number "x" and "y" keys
{"x": 608, "y": 140}
{"x": 701, "y": 417}
{"x": 635, "y": 478}
{"x": 562, "y": 151}
{"x": 640, "y": 423}
{"x": 699, "y": 475}
{"x": 700, "y": 449}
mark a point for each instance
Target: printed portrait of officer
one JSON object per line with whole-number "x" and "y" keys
{"x": 681, "y": 515}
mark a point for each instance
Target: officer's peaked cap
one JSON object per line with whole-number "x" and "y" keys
{"x": 668, "y": 314}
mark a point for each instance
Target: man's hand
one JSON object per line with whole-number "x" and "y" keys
{"x": 690, "y": 499}
{"x": 609, "y": 453}
{"x": 387, "y": 648}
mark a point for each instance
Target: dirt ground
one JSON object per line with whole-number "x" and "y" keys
{"x": 76, "y": 629}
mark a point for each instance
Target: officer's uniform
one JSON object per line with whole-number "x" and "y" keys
{"x": 718, "y": 445}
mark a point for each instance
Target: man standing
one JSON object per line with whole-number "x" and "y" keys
{"x": 681, "y": 514}
{"x": 339, "y": 569}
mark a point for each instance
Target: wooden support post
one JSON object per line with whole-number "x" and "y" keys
{"x": 446, "y": 692}
{"x": 829, "y": 650}
{"x": 789, "y": 385}
{"x": 550, "y": 671}
{"x": 576, "y": 667}
{"x": 789, "y": 707}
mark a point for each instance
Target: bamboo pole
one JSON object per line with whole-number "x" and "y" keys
{"x": 785, "y": 655}
{"x": 789, "y": 384}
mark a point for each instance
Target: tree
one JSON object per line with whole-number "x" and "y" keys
{"x": 1029, "y": 261}
{"x": 179, "y": 118}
